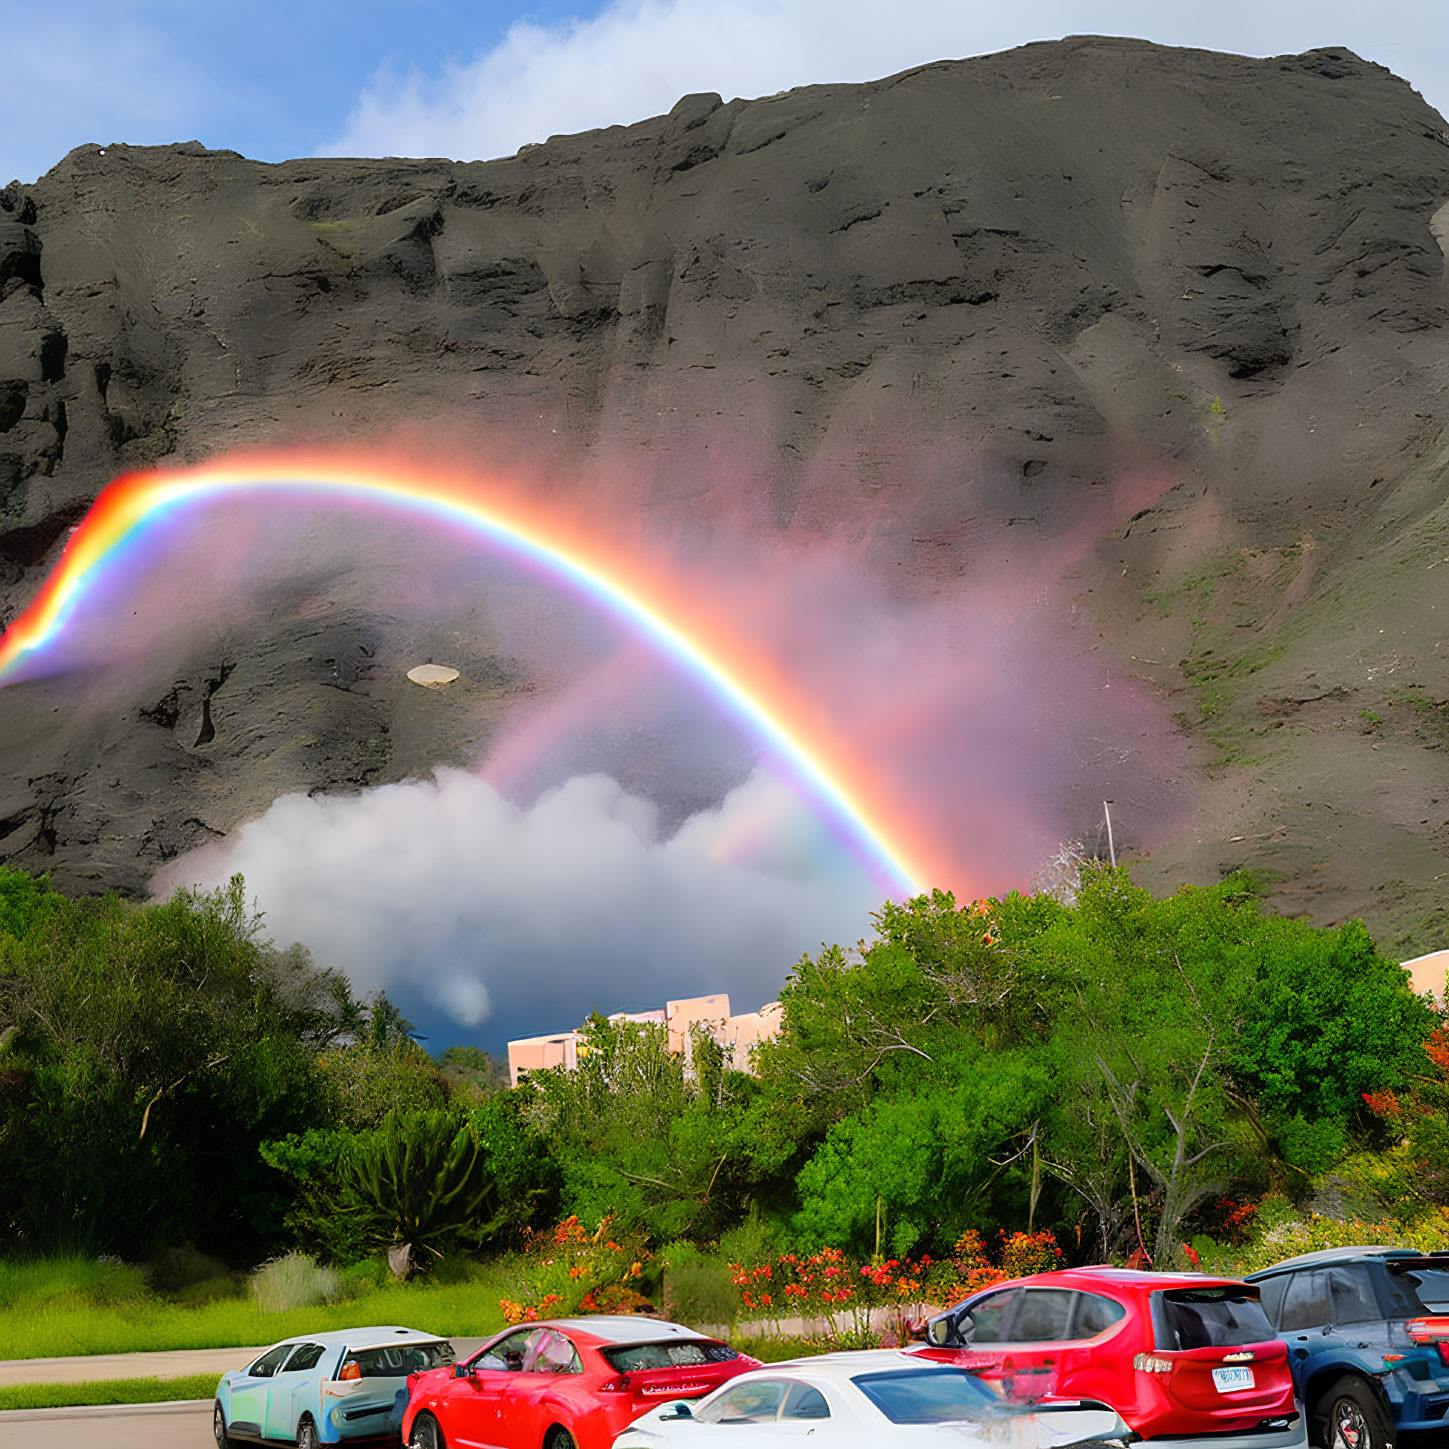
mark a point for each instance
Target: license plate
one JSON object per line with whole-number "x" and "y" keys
{"x": 1229, "y": 1380}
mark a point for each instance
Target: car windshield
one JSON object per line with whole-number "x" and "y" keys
{"x": 1213, "y": 1318}
{"x": 929, "y": 1396}
{"x": 628, "y": 1358}
{"x": 398, "y": 1360}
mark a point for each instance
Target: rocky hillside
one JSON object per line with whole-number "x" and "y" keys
{"x": 1012, "y": 281}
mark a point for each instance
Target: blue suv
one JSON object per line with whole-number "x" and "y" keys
{"x": 1366, "y": 1342}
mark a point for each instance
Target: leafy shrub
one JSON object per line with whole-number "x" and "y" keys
{"x": 1292, "y": 1238}
{"x": 569, "y": 1270}
{"x": 294, "y": 1281}
{"x": 699, "y": 1290}
{"x": 780, "y": 1349}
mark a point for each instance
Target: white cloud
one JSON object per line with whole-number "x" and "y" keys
{"x": 445, "y": 890}
{"x": 635, "y": 58}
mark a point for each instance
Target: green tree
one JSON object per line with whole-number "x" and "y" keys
{"x": 912, "y": 1171}
{"x": 643, "y": 1133}
{"x": 150, "y": 1049}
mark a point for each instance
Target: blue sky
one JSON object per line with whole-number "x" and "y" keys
{"x": 448, "y": 77}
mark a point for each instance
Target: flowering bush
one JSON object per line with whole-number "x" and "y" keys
{"x": 828, "y": 1285}
{"x": 569, "y": 1270}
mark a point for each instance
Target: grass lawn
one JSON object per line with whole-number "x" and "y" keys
{"x": 57, "y": 1307}
{"x": 107, "y": 1391}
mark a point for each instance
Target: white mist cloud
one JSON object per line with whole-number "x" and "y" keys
{"x": 445, "y": 889}
{"x": 635, "y": 58}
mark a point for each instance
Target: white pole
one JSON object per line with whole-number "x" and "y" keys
{"x": 1111, "y": 848}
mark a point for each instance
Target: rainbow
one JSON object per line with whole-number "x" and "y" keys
{"x": 739, "y": 676}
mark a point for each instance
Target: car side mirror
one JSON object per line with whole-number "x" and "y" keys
{"x": 681, "y": 1410}
{"x": 463, "y": 1371}
{"x": 936, "y": 1331}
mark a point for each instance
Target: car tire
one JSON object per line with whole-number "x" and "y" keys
{"x": 218, "y": 1427}
{"x": 426, "y": 1434}
{"x": 1352, "y": 1418}
{"x": 559, "y": 1438}
{"x": 307, "y": 1437}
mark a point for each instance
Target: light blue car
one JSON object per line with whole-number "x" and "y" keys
{"x": 326, "y": 1388}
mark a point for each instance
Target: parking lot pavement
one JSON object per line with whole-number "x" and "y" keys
{"x": 149, "y": 1426}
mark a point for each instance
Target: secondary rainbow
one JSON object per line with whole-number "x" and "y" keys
{"x": 739, "y": 676}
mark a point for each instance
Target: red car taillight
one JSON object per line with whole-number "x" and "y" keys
{"x": 1149, "y": 1363}
{"x": 620, "y": 1385}
{"x": 1428, "y": 1330}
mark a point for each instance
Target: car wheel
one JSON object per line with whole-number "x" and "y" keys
{"x": 560, "y": 1438}
{"x": 307, "y": 1435}
{"x": 426, "y": 1433}
{"x": 218, "y": 1427}
{"x": 1352, "y": 1418}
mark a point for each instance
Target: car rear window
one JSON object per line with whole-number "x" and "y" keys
{"x": 1213, "y": 1318}
{"x": 628, "y": 1358}
{"x": 1419, "y": 1291}
{"x": 398, "y": 1360}
{"x": 928, "y": 1396}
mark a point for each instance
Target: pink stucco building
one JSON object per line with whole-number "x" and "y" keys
{"x": 737, "y": 1034}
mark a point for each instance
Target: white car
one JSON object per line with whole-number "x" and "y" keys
{"x": 863, "y": 1401}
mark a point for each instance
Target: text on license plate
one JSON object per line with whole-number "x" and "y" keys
{"x": 1230, "y": 1379}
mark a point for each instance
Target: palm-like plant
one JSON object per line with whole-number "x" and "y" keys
{"x": 422, "y": 1183}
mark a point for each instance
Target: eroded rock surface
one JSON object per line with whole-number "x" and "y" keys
{"x": 991, "y": 286}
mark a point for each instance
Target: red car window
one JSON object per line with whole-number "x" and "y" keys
{"x": 1042, "y": 1316}
{"x": 1213, "y": 1318}
{"x": 1095, "y": 1315}
{"x": 987, "y": 1320}
{"x": 674, "y": 1353}
{"x": 547, "y": 1351}
{"x": 507, "y": 1353}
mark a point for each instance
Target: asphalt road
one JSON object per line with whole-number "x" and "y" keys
{"x": 167, "y": 1365}
{"x": 139, "y": 1426}
{"x": 180, "y": 1426}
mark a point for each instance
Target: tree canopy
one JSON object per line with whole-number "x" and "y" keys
{"x": 1113, "y": 1069}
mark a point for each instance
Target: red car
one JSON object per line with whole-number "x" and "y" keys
{"x": 564, "y": 1383}
{"x": 1179, "y": 1356}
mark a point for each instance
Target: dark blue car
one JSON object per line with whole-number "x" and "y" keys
{"x": 1370, "y": 1373}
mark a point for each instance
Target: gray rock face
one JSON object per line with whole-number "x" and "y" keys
{"x": 987, "y": 288}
